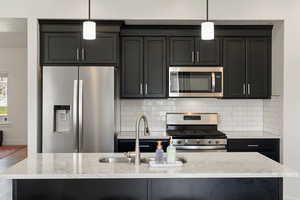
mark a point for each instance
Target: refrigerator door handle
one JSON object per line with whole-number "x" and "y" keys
{"x": 75, "y": 93}
{"x": 80, "y": 111}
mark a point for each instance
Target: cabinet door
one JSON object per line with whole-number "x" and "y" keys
{"x": 155, "y": 66}
{"x": 234, "y": 68}
{"x": 103, "y": 50}
{"x": 258, "y": 67}
{"x": 208, "y": 52}
{"x": 60, "y": 48}
{"x": 132, "y": 67}
{"x": 182, "y": 51}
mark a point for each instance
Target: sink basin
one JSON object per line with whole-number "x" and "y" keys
{"x": 116, "y": 160}
{"x": 131, "y": 160}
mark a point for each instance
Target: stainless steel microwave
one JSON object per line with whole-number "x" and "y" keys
{"x": 196, "y": 81}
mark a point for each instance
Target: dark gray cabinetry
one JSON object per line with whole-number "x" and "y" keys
{"x": 143, "y": 67}
{"x": 146, "y": 145}
{"x": 267, "y": 147}
{"x": 194, "y": 51}
{"x": 102, "y": 50}
{"x": 60, "y": 48}
{"x": 149, "y": 189}
{"x": 62, "y": 43}
{"x": 247, "y": 67}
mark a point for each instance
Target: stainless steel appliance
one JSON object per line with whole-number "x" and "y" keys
{"x": 78, "y": 109}
{"x": 195, "y": 81}
{"x": 196, "y": 132}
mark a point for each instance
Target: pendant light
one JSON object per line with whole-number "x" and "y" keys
{"x": 207, "y": 28}
{"x": 89, "y": 27}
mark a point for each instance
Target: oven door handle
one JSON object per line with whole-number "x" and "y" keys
{"x": 219, "y": 147}
{"x": 213, "y": 82}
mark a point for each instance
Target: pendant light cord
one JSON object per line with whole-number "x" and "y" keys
{"x": 89, "y": 9}
{"x": 206, "y": 10}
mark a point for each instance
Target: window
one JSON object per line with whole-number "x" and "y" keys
{"x": 3, "y": 93}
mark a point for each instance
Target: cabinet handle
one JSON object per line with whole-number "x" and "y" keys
{"x": 145, "y": 146}
{"x": 77, "y": 54}
{"x": 83, "y": 53}
{"x": 249, "y": 89}
{"x": 141, "y": 89}
{"x": 253, "y": 145}
{"x": 244, "y": 89}
{"x": 193, "y": 56}
{"x": 197, "y": 56}
{"x": 146, "y": 88}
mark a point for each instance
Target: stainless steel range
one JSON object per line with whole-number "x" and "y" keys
{"x": 196, "y": 132}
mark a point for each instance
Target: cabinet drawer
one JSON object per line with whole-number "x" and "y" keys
{"x": 145, "y": 145}
{"x": 252, "y": 144}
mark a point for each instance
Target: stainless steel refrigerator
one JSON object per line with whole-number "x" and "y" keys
{"x": 78, "y": 109}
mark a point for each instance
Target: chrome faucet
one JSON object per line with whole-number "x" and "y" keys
{"x": 137, "y": 160}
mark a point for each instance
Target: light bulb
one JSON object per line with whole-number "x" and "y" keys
{"x": 89, "y": 30}
{"x": 207, "y": 31}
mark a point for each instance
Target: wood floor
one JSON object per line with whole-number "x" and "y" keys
{"x": 5, "y": 185}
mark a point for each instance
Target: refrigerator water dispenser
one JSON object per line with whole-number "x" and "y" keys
{"x": 62, "y": 118}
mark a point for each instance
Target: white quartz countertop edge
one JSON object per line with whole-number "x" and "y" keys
{"x": 199, "y": 165}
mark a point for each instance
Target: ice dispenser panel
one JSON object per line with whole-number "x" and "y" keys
{"x": 62, "y": 118}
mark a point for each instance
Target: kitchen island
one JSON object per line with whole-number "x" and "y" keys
{"x": 205, "y": 176}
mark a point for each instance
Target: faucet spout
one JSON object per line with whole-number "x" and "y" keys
{"x": 137, "y": 137}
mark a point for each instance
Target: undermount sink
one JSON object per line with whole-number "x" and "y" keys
{"x": 131, "y": 160}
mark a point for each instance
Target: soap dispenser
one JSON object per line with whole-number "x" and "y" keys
{"x": 159, "y": 153}
{"x": 171, "y": 152}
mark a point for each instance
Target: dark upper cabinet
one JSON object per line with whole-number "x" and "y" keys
{"x": 102, "y": 50}
{"x": 132, "y": 67}
{"x": 258, "y": 67}
{"x": 60, "y": 48}
{"x": 194, "y": 51}
{"x": 155, "y": 66}
{"x": 234, "y": 63}
{"x": 208, "y": 52}
{"x": 182, "y": 51}
{"x": 62, "y": 43}
{"x": 247, "y": 67}
{"x": 143, "y": 67}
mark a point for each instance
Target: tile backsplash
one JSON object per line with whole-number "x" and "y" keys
{"x": 272, "y": 109}
{"x": 233, "y": 114}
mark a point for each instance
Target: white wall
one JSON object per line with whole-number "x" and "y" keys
{"x": 14, "y": 61}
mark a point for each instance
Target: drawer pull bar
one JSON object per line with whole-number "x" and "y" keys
{"x": 145, "y": 146}
{"x": 253, "y": 145}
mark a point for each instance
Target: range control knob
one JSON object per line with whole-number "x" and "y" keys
{"x": 179, "y": 142}
{"x": 198, "y": 141}
{"x": 209, "y": 142}
{"x": 217, "y": 142}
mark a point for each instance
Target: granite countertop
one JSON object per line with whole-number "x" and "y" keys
{"x": 250, "y": 135}
{"x": 230, "y": 135}
{"x": 199, "y": 165}
{"x": 153, "y": 135}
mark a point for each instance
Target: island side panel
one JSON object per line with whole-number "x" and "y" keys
{"x": 151, "y": 189}
{"x": 217, "y": 188}
{"x": 78, "y": 189}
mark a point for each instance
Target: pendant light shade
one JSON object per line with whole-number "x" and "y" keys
{"x": 207, "y": 31}
{"x": 207, "y": 28}
{"x": 89, "y": 27}
{"x": 89, "y": 30}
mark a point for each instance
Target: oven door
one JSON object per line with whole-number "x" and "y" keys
{"x": 219, "y": 148}
{"x": 195, "y": 81}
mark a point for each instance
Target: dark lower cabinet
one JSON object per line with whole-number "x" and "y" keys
{"x": 149, "y": 189}
{"x": 267, "y": 147}
{"x": 146, "y": 145}
{"x": 144, "y": 67}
